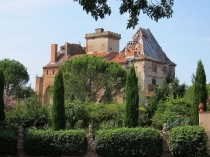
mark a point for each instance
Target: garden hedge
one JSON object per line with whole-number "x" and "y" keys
{"x": 129, "y": 142}
{"x": 8, "y": 142}
{"x": 48, "y": 142}
{"x": 188, "y": 141}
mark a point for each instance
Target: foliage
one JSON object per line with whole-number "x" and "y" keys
{"x": 189, "y": 94}
{"x": 24, "y": 92}
{"x": 58, "y": 109}
{"x": 173, "y": 112}
{"x": 8, "y": 142}
{"x": 155, "y": 10}
{"x": 48, "y": 142}
{"x": 28, "y": 113}
{"x": 188, "y": 141}
{"x": 16, "y": 76}
{"x": 169, "y": 88}
{"x": 129, "y": 142}
{"x": 76, "y": 114}
{"x": 132, "y": 99}
{"x": 200, "y": 91}
{"x": 91, "y": 78}
{"x": 105, "y": 115}
{"x": 2, "y": 114}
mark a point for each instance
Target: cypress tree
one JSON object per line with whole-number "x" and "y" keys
{"x": 58, "y": 110}
{"x": 132, "y": 99}
{"x": 200, "y": 91}
{"x": 2, "y": 114}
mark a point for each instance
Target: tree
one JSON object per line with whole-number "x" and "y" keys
{"x": 162, "y": 92}
{"x": 92, "y": 78}
{"x": 173, "y": 112}
{"x": 58, "y": 110}
{"x": 200, "y": 91}
{"x": 154, "y": 9}
{"x": 2, "y": 114}
{"x": 132, "y": 99}
{"x": 15, "y": 74}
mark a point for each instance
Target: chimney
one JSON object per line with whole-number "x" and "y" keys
{"x": 99, "y": 30}
{"x": 53, "y": 53}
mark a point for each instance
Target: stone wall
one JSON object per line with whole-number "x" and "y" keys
{"x": 204, "y": 118}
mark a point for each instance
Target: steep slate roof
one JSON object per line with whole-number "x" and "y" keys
{"x": 144, "y": 44}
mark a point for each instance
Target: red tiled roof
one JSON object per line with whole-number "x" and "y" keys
{"x": 120, "y": 58}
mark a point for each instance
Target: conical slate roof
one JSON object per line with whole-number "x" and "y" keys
{"x": 144, "y": 44}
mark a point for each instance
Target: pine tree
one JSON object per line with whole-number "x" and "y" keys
{"x": 200, "y": 91}
{"x": 2, "y": 114}
{"x": 132, "y": 99}
{"x": 58, "y": 110}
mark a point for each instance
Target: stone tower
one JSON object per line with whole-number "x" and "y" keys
{"x": 102, "y": 41}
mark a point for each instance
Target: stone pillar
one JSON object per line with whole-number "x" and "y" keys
{"x": 204, "y": 122}
{"x": 20, "y": 151}
{"x": 165, "y": 145}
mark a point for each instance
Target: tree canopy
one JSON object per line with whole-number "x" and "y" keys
{"x": 15, "y": 74}
{"x": 2, "y": 114}
{"x": 162, "y": 92}
{"x": 92, "y": 78}
{"x": 154, "y": 9}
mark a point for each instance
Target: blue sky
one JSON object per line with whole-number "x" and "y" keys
{"x": 29, "y": 27}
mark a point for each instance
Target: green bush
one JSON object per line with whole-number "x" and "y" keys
{"x": 106, "y": 115}
{"x": 28, "y": 114}
{"x": 188, "y": 141}
{"x": 8, "y": 142}
{"x": 129, "y": 142}
{"x": 79, "y": 115}
{"x": 48, "y": 142}
{"x": 76, "y": 115}
{"x": 174, "y": 112}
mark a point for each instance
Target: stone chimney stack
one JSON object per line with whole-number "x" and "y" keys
{"x": 54, "y": 49}
{"x": 99, "y": 30}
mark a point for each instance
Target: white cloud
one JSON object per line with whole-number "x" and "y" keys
{"x": 30, "y": 4}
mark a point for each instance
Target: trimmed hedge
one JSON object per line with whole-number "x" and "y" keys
{"x": 188, "y": 141}
{"x": 8, "y": 142}
{"x": 48, "y": 142}
{"x": 129, "y": 142}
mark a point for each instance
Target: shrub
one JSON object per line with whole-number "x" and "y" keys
{"x": 174, "y": 112}
{"x": 48, "y": 142}
{"x": 76, "y": 115}
{"x": 28, "y": 114}
{"x": 102, "y": 115}
{"x": 8, "y": 142}
{"x": 188, "y": 141}
{"x": 129, "y": 142}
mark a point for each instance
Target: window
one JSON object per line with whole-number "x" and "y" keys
{"x": 164, "y": 70}
{"x": 153, "y": 81}
{"x": 154, "y": 67}
{"x": 90, "y": 48}
{"x": 102, "y": 47}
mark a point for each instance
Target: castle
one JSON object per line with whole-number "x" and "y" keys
{"x": 150, "y": 62}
